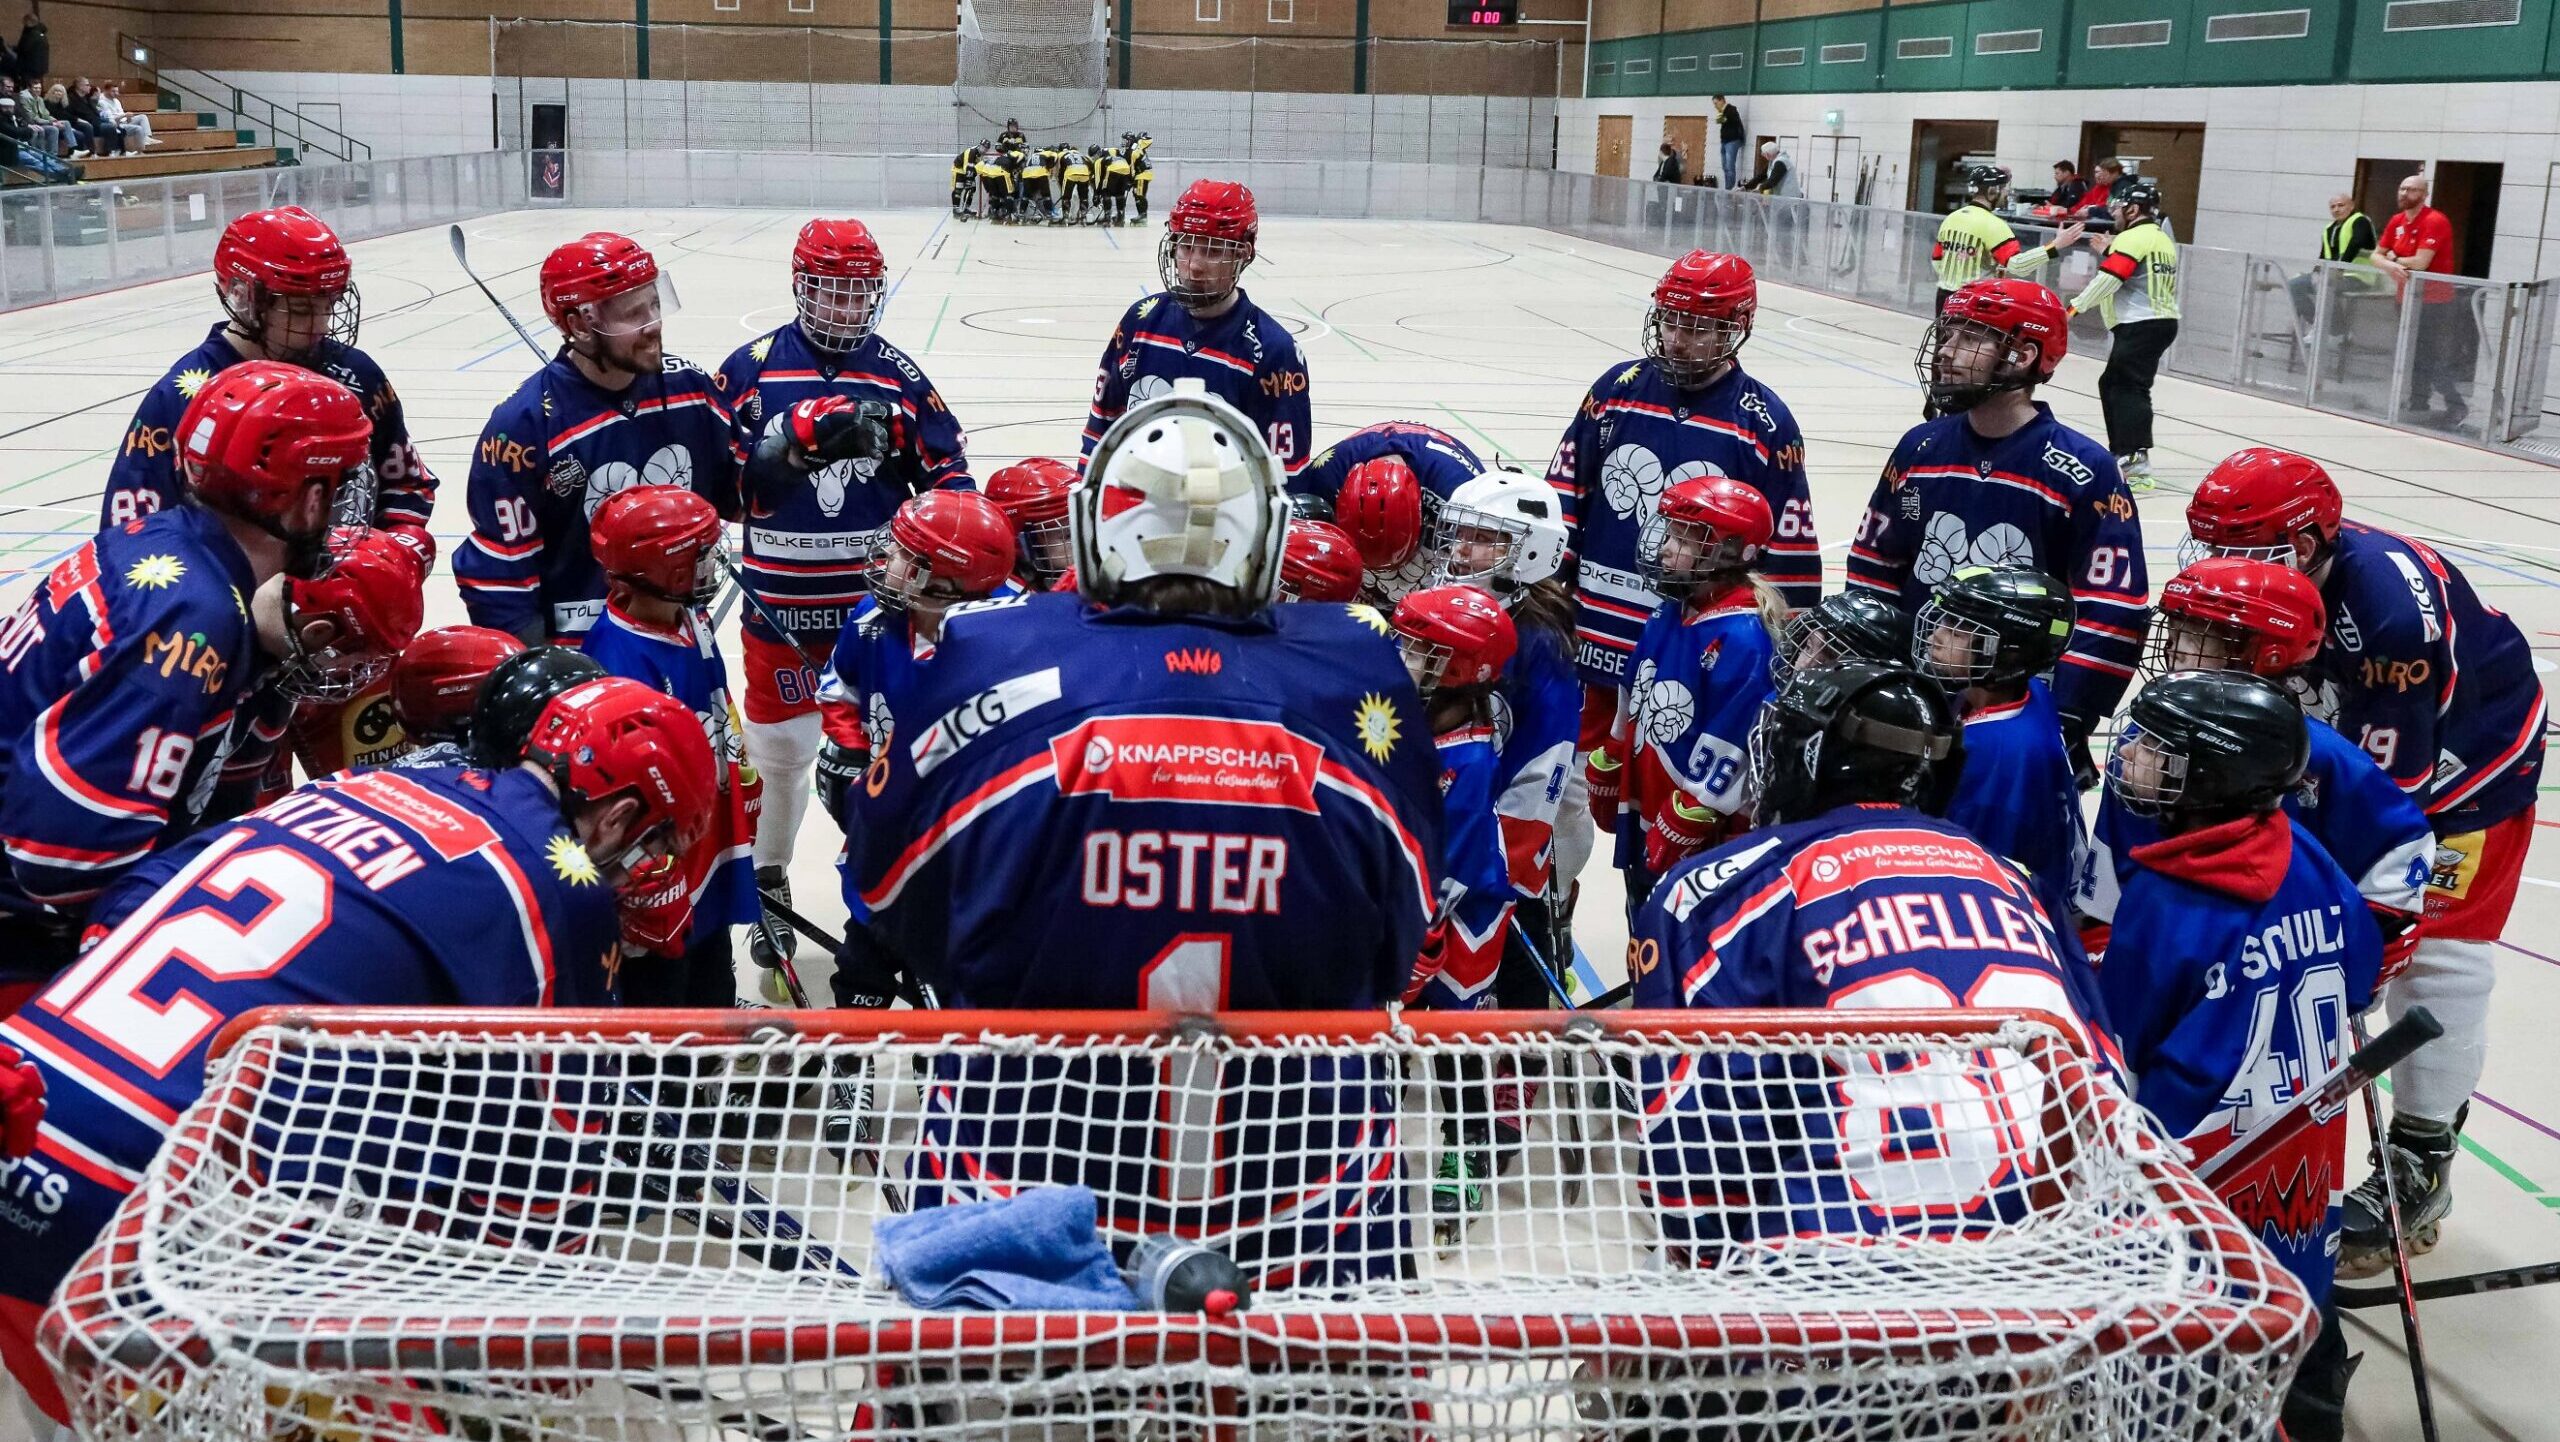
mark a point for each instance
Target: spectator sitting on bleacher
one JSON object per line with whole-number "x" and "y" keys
{"x": 56, "y": 133}
{"x": 19, "y": 146}
{"x": 135, "y": 125}
{"x": 105, "y": 136}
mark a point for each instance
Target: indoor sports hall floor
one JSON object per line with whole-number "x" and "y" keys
{"x": 1491, "y": 333}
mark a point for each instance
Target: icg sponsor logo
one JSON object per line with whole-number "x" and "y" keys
{"x": 1189, "y": 758}
{"x": 975, "y": 717}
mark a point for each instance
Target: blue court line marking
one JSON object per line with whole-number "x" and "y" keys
{"x": 1108, "y": 238}
{"x": 510, "y": 343}
{"x": 937, "y": 230}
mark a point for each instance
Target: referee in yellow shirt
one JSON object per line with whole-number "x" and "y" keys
{"x": 2136, "y": 292}
{"x": 1974, "y": 242}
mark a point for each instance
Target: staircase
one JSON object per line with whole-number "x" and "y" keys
{"x": 190, "y": 144}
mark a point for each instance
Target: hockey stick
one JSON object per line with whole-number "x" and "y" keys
{"x": 801, "y": 924}
{"x": 778, "y": 1239}
{"x": 2506, "y": 1279}
{"x": 462, "y": 258}
{"x": 2391, "y": 1219}
{"x": 1602, "y": 1002}
{"x": 2371, "y": 1059}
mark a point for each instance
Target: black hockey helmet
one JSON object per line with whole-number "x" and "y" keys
{"x": 1843, "y": 626}
{"x": 1991, "y": 626}
{"x": 1851, "y": 732}
{"x": 2209, "y": 741}
{"x": 511, "y": 700}
{"x": 1986, "y": 179}
{"x": 2135, "y": 191}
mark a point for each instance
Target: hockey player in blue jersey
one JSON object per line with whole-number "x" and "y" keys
{"x": 1852, "y": 895}
{"x": 1440, "y": 462}
{"x": 1686, "y": 409}
{"x": 834, "y": 427}
{"x": 2227, "y": 613}
{"x": 1166, "y": 793}
{"x": 451, "y": 888}
{"x": 2440, "y": 690}
{"x": 2241, "y": 950}
{"x": 127, "y": 665}
{"x": 288, "y": 295}
{"x": 658, "y": 547}
{"x": 1986, "y": 635}
{"x": 610, "y": 411}
{"x": 1675, "y": 772}
{"x": 1203, "y": 327}
{"x": 1997, "y": 481}
{"x": 1843, "y": 626}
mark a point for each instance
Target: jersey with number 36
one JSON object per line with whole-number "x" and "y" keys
{"x": 1861, "y": 908}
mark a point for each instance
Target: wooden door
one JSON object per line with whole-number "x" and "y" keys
{"x": 1615, "y": 132}
{"x": 1689, "y": 134}
{"x": 2169, "y": 156}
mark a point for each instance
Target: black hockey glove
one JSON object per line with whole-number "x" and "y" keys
{"x": 839, "y": 771}
{"x": 2076, "y": 744}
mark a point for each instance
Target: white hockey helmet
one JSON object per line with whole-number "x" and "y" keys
{"x": 1181, "y": 485}
{"x": 1503, "y": 530}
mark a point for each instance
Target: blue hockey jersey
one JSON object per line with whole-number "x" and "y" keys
{"x": 686, "y": 665}
{"x": 1537, "y": 724}
{"x": 2017, "y": 796}
{"x": 1440, "y": 461}
{"x": 812, "y": 536}
{"x": 2044, "y": 496}
{"x": 2377, "y": 835}
{"x": 126, "y": 667}
{"x": 551, "y": 453}
{"x": 1685, "y": 716}
{"x": 1636, "y": 436}
{"x": 144, "y": 478}
{"x": 456, "y": 888}
{"x": 2239, "y": 954}
{"x": 2435, "y": 685}
{"x": 1246, "y": 357}
{"x": 1476, "y": 892}
{"x": 1863, "y": 907}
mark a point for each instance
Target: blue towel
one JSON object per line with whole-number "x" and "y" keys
{"x": 1037, "y": 1251}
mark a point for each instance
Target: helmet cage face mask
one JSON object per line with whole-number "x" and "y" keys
{"x": 1048, "y": 548}
{"x": 1805, "y": 644}
{"x": 1425, "y": 661}
{"x": 1476, "y": 547}
{"x": 2281, "y": 553}
{"x": 1963, "y": 362}
{"x": 1687, "y": 364}
{"x": 839, "y": 312}
{"x": 327, "y": 673}
{"x": 2147, "y": 777}
{"x": 1953, "y": 650}
{"x": 1704, "y": 555}
{"x": 290, "y": 326}
{"x": 904, "y": 581}
{"x": 1226, "y": 261}
{"x": 2192, "y": 643}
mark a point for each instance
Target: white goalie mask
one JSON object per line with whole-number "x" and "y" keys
{"x": 1181, "y": 485}
{"x": 1503, "y": 530}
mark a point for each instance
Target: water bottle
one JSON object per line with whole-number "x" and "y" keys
{"x": 1172, "y": 1275}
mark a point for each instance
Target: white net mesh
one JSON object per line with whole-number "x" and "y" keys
{"x": 1750, "y": 1226}
{"x": 1041, "y": 62}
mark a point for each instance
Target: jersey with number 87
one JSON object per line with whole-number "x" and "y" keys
{"x": 1864, "y": 907}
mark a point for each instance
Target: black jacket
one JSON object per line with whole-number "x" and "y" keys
{"x": 1729, "y": 124}
{"x": 35, "y": 53}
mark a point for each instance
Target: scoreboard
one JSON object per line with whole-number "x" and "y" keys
{"x": 1483, "y": 14}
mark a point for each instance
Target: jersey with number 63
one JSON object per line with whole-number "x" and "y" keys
{"x": 1863, "y": 907}
{"x": 1245, "y": 357}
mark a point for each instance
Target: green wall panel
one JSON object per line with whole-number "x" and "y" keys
{"x": 1864, "y": 31}
{"x": 1924, "y": 22}
{"x": 2312, "y": 58}
{"x": 1615, "y": 54}
{"x": 2019, "y": 69}
{"x": 2478, "y": 52}
{"x": 1704, "y": 46}
{"x": 1783, "y": 36}
{"x": 2131, "y": 65}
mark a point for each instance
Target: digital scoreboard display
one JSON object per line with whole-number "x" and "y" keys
{"x": 1487, "y": 14}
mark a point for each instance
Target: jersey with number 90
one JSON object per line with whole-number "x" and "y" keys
{"x": 1864, "y": 907}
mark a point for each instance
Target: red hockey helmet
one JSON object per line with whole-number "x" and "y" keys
{"x": 1994, "y": 335}
{"x": 436, "y": 682}
{"x": 2257, "y": 501}
{"x": 593, "y": 269}
{"x": 945, "y": 546}
{"x": 1208, "y": 241}
{"x": 259, "y": 435}
{"x": 838, "y": 278}
{"x": 1701, "y": 315}
{"x": 373, "y": 597}
{"x": 2227, "y": 613}
{"x": 1704, "y": 528}
{"x": 1319, "y": 562}
{"x": 1454, "y": 636}
{"x": 614, "y": 737}
{"x": 660, "y": 540}
{"x": 1033, "y": 495}
{"x": 1380, "y": 504}
{"x": 286, "y": 257}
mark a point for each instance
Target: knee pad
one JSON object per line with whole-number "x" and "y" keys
{"x": 2451, "y": 979}
{"x": 785, "y": 752}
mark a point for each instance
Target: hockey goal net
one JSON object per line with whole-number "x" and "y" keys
{"x": 1041, "y": 62}
{"x": 649, "y": 1225}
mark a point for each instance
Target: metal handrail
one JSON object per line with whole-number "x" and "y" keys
{"x": 279, "y": 121}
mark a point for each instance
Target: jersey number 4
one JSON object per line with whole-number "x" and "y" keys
{"x": 103, "y": 994}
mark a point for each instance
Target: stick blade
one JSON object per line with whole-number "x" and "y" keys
{"x": 453, "y": 235}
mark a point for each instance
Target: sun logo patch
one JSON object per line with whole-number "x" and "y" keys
{"x": 1371, "y": 617}
{"x": 155, "y": 573}
{"x": 762, "y": 348}
{"x": 1379, "y": 730}
{"x": 571, "y": 862}
{"x": 191, "y": 380}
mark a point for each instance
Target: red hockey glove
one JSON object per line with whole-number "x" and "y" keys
{"x": 1427, "y": 964}
{"x": 657, "y": 910}
{"x": 1679, "y": 829}
{"x": 21, "y": 1103}
{"x": 417, "y": 540}
{"x": 1604, "y": 773}
{"x": 828, "y": 429}
{"x": 2400, "y": 931}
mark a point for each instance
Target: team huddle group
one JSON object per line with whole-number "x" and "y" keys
{"x": 1081, "y": 759}
{"x": 1012, "y": 181}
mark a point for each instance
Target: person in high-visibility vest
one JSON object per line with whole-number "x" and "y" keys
{"x": 2136, "y": 292}
{"x": 2349, "y": 237}
{"x": 1974, "y": 241}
